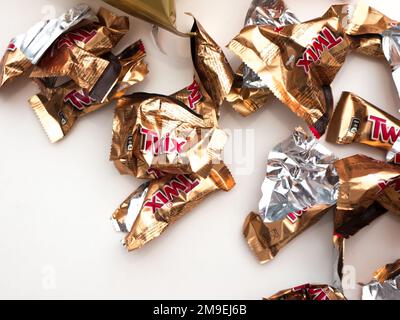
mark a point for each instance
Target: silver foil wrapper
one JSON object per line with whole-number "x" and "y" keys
{"x": 388, "y": 290}
{"x": 124, "y": 224}
{"x": 273, "y": 13}
{"x": 391, "y": 49}
{"x": 41, "y": 36}
{"x": 300, "y": 174}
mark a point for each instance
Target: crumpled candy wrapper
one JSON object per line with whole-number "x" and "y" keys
{"x": 300, "y": 174}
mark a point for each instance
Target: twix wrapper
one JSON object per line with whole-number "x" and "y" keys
{"x": 385, "y": 285}
{"x": 156, "y": 205}
{"x": 367, "y": 189}
{"x": 309, "y": 292}
{"x": 299, "y": 62}
{"x": 77, "y": 54}
{"x": 59, "y": 108}
{"x": 249, "y": 92}
{"x": 355, "y": 120}
{"x": 291, "y": 203}
{"x": 178, "y": 134}
{"x": 24, "y": 51}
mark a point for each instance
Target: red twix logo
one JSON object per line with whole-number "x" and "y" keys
{"x": 383, "y": 184}
{"x": 325, "y": 40}
{"x": 314, "y": 293}
{"x": 179, "y": 185}
{"x": 158, "y": 145}
{"x": 71, "y": 38}
{"x": 382, "y": 132}
{"x": 195, "y": 95}
{"x": 79, "y": 99}
{"x": 295, "y": 216}
{"x": 11, "y": 47}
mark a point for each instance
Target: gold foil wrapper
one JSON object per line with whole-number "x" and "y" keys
{"x": 355, "y": 120}
{"x": 158, "y": 134}
{"x": 59, "y": 108}
{"x": 161, "y": 13}
{"x": 177, "y": 134}
{"x": 299, "y": 62}
{"x": 309, "y": 292}
{"x": 244, "y": 100}
{"x": 76, "y": 54}
{"x": 368, "y": 188}
{"x": 14, "y": 64}
{"x": 164, "y": 201}
{"x": 212, "y": 67}
{"x": 267, "y": 239}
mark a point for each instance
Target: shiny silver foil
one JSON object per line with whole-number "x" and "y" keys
{"x": 135, "y": 203}
{"x": 265, "y": 12}
{"x": 300, "y": 174}
{"x": 388, "y": 290}
{"x": 41, "y": 36}
{"x": 391, "y": 49}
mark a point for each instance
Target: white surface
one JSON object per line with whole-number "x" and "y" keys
{"x": 56, "y": 240}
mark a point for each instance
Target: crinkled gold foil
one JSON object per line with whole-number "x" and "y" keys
{"x": 355, "y": 120}
{"x": 212, "y": 67}
{"x": 187, "y": 118}
{"x": 299, "y": 62}
{"x": 160, "y": 203}
{"x": 76, "y": 54}
{"x": 153, "y": 134}
{"x": 267, "y": 239}
{"x": 368, "y": 188}
{"x": 309, "y": 292}
{"x": 59, "y": 108}
{"x": 14, "y": 64}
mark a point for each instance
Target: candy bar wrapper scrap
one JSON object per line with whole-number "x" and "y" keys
{"x": 27, "y": 49}
{"x": 368, "y": 188}
{"x": 59, "y": 108}
{"x": 385, "y": 285}
{"x": 300, "y": 187}
{"x": 309, "y": 292}
{"x": 355, "y": 120}
{"x": 155, "y": 134}
{"x": 77, "y": 54}
{"x": 299, "y": 62}
{"x": 150, "y": 210}
{"x": 249, "y": 92}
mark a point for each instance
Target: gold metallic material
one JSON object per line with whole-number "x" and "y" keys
{"x": 76, "y": 54}
{"x": 177, "y": 134}
{"x": 357, "y": 120}
{"x": 59, "y": 108}
{"x": 158, "y": 12}
{"x": 246, "y": 100}
{"x": 309, "y": 292}
{"x": 368, "y": 188}
{"x": 387, "y": 272}
{"x": 14, "y": 64}
{"x": 299, "y": 62}
{"x": 267, "y": 239}
{"x": 153, "y": 134}
{"x": 167, "y": 200}
{"x": 212, "y": 67}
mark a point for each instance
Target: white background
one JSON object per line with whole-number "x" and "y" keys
{"x": 56, "y": 240}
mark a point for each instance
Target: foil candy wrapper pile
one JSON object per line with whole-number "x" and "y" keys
{"x": 385, "y": 285}
{"x": 175, "y": 141}
{"x": 298, "y": 62}
{"x": 71, "y": 60}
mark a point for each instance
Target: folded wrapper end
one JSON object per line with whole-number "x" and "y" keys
{"x": 211, "y": 64}
{"x": 156, "y": 205}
